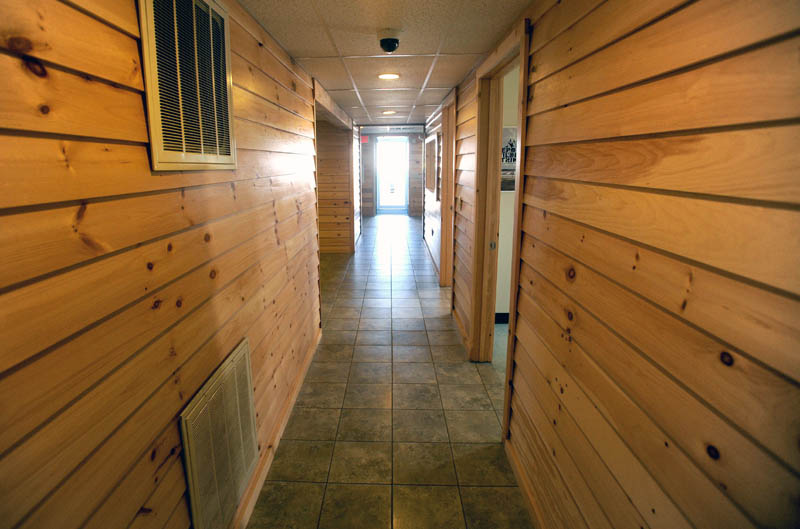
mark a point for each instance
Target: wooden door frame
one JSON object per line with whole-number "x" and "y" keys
{"x": 516, "y": 240}
{"x": 489, "y": 130}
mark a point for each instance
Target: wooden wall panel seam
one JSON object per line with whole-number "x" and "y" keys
{"x": 709, "y": 378}
{"x": 755, "y": 86}
{"x": 72, "y": 138}
{"x": 673, "y": 466}
{"x": 738, "y": 164}
{"x": 738, "y": 24}
{"x": 41, "y": 29}
{"x": 754, "y": 321}
{"x": 659, "y": 395}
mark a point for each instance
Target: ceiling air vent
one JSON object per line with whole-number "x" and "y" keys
{"x": 186, "y": 56}
{"x": 218, "y": 429}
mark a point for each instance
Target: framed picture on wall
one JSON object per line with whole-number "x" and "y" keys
{"x": 508, "y": 159}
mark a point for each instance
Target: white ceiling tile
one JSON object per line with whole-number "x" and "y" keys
{"x": 483, "y": 25}
{"x": 388, "y": 97}
{"x": 450, "y": 70}
{"x": 345, "y": 98}
{"x": 433, "y": 96}
{"x": 330, "y": 72}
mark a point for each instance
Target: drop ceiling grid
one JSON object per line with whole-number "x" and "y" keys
{"x": 337, "y": 42}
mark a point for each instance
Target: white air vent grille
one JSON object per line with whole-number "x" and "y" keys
{"x": 186, "y": 51}
{"x": 219, "y": 441}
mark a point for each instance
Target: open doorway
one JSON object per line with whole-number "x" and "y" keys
{"x": 509, "y": 87}
{"x": 392, "y": 174}
{"x": 499, "y": 116}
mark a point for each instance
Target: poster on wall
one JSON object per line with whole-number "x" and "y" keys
{"x": 508, "y": 159}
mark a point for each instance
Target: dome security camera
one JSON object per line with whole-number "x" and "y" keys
{"x": 390, "y": 45}
{"x": 389, "y": 40}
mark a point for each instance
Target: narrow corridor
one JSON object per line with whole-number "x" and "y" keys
{"x": 393, "y": 426}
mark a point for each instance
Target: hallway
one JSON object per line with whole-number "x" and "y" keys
{"x": 393, "y": 427}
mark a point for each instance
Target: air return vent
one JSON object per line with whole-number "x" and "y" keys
{"x": 186, "y": 51}
{"x": 219, "y": 441}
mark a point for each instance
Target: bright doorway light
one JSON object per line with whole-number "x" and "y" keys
{"x": 392, "y": 165}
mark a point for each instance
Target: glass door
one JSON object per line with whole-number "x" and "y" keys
{"x": 392, "y": 162}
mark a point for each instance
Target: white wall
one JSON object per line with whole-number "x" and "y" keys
{"x": 504, "y": 251}
{"x": 510, "y": 109}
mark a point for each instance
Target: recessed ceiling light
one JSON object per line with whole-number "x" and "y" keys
{"x": 389, "y": 112}
{"x": 389, "y": 76}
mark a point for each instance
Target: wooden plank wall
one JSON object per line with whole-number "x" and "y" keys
{"x": 464, "y": 227}
{"x": 335, "y": 180}
{"x": 432, "y": 207}
{"x": 416, "y": 186}
{"x": 655, "y": 367}
{"x": 368, "y": 182}
{"x": 121, "y": 289}
{"x": 356, "y": 184}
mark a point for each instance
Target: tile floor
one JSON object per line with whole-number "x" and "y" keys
{"x": 393, "y": 427}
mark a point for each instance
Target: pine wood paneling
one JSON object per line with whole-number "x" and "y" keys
{"x": 335, "y": 187}
{"x": 368, "y": 178}
{"x": 121, "y": 289}
{"x": 653, "y": 374}
{"x": 464, "y": 209}
{"x": 356, "y": 185}
{"x": 416, "y": 185}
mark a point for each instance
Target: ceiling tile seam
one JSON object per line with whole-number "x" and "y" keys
{"x": 344, "y": 65}
{"x": 408, "y": 55}
{"x": 427, "y": 77}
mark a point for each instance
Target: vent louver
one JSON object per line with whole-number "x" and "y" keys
{"x": 219, "y": 439}
{"x": 185, "y": 44}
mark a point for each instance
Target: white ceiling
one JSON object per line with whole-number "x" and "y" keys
{"x": 337, "y": 42}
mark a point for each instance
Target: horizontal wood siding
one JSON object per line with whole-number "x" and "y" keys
{"x": 356, "y": 184}
{"x": 416, "y": 185}
{"x": 432, "y": 205}
{"x": 655, "y": 376}
{"x": 368, "y": 181}
{"x": 335, "y": 191}
{"x": 121, "y": 289}
{"x": 464, "y": 206}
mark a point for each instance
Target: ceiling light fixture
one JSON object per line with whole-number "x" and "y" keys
{"x": 389, "y": 76}
{"x": 389, "y": 112}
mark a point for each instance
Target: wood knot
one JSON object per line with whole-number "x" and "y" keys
{"x": 207, "y": 237}
{"x": 571, "y": 273}
{"x": 44, "y": 109}
{"x": 156, "y": 304}
{"x": 212, "y": 274}
{"x": 19, "y": 44}
{"x": 150, "y": 266}
{"x": 712, "y": 452}
{"x": 726, "y": 358}
{"x": 570, "y": 316}
{"x": 169, "y": 247}
{"x": 35, "y": 66}
{"x": 179, "y": 303}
